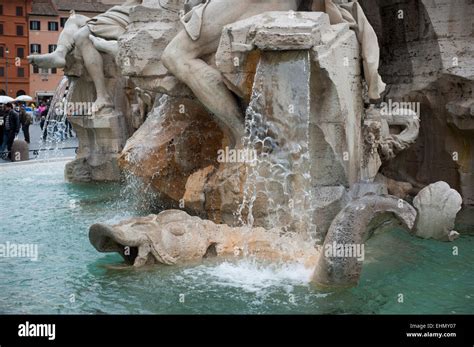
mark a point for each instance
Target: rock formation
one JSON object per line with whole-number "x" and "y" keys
{"x": 426, "y": 59}
{"x": 159, "y": 152}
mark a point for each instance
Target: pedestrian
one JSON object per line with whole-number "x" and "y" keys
{"x": 39, "y": 111}
{"x": 12, "y": 127}
{"x": 3, "y": 142}
{"x": 68, "y": 128}
{"x": 43, "y": 116}
{"x": 44, "y": 123}
{"x": 25, "y": 121}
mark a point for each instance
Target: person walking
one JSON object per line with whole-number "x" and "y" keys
{"x": 68, "y": 129}
{"x": 3, "y": 143}
{"x": 44, "y": 122}
{"x": 25, "y": 121}
{"x": 12, "y": 127}
{"x": 39, "y": 111}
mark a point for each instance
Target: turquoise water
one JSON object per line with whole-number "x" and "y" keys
{"x": 37, "y": 206}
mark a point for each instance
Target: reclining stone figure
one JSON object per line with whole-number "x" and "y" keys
{"x": 89, "y": 36}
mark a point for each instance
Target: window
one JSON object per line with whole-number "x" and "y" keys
{"x": 20, "y": 52}
{"x": 2, "y": 71}
{"x": 2, "y": 51}
{"x": 35, "y": 48}
{"x": 19, "y": 30}
{"x": 1, "y": 9}
{"x": 1, "y": 28}
{"x": 19, "y": 11}
{"x": 54, "y": 70}
{"x": 52, "y": 48}
{"x": 35, "y": 25}
{"x": 63, "y": 21}
{"x": 53, "y": 26}
{"x": 20, "y": 72}
{"x": 35, "y": 69}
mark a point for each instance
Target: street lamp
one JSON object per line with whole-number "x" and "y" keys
{"x": 7, "y": 51}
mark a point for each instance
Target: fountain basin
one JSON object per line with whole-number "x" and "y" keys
{"x": 37, "y": 206}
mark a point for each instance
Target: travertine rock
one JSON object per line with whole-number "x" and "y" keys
{"x": 223, "y": 192}
{"x": 101, "y": 139}
{"x": 238, "y": 52}
{"x": 78, "y": 171}
{"x": 316, "y": 85}
{"x": 396, "y": 188}
{"x": 428, "y": 58}
{"x": 177, "y": 139}
{"x": 437, "y": 207}
{"x": 152, "y": 26}
{"x": 194, "y": 196}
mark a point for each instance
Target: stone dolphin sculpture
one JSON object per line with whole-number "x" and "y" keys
{"x": 173, "y": 237}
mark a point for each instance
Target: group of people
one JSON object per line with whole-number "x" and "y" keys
{"x": 12, "y": 119}
{"x": 15, "y": 118}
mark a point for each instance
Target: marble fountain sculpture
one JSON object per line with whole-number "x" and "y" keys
{"x": 176, "y": 82}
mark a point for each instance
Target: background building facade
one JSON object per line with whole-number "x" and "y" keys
{"x": 46, "y": 22}
{"x": 14, "y": 47}
{"x": 34, "y": 26}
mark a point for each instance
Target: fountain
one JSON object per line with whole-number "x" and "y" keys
{"x": 296, "y": 88}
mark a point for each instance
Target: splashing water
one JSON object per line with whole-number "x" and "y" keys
{"x": 139, "y": 196}
{"x": 55, "y": 128}
{"x": 253, "y": 276}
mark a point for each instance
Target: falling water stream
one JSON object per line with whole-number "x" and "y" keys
{"x": 279, "y": 180}
{"x": 55, "y": 128}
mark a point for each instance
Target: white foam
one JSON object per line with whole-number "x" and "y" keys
{"x": 252, "y": 276}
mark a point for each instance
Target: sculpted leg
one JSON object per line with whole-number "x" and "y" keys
{"x": 94, "y": 65}
{"x": 57, "y": 59}
{"x": 206, "y": 83}
{"x": 182, "y": 59}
